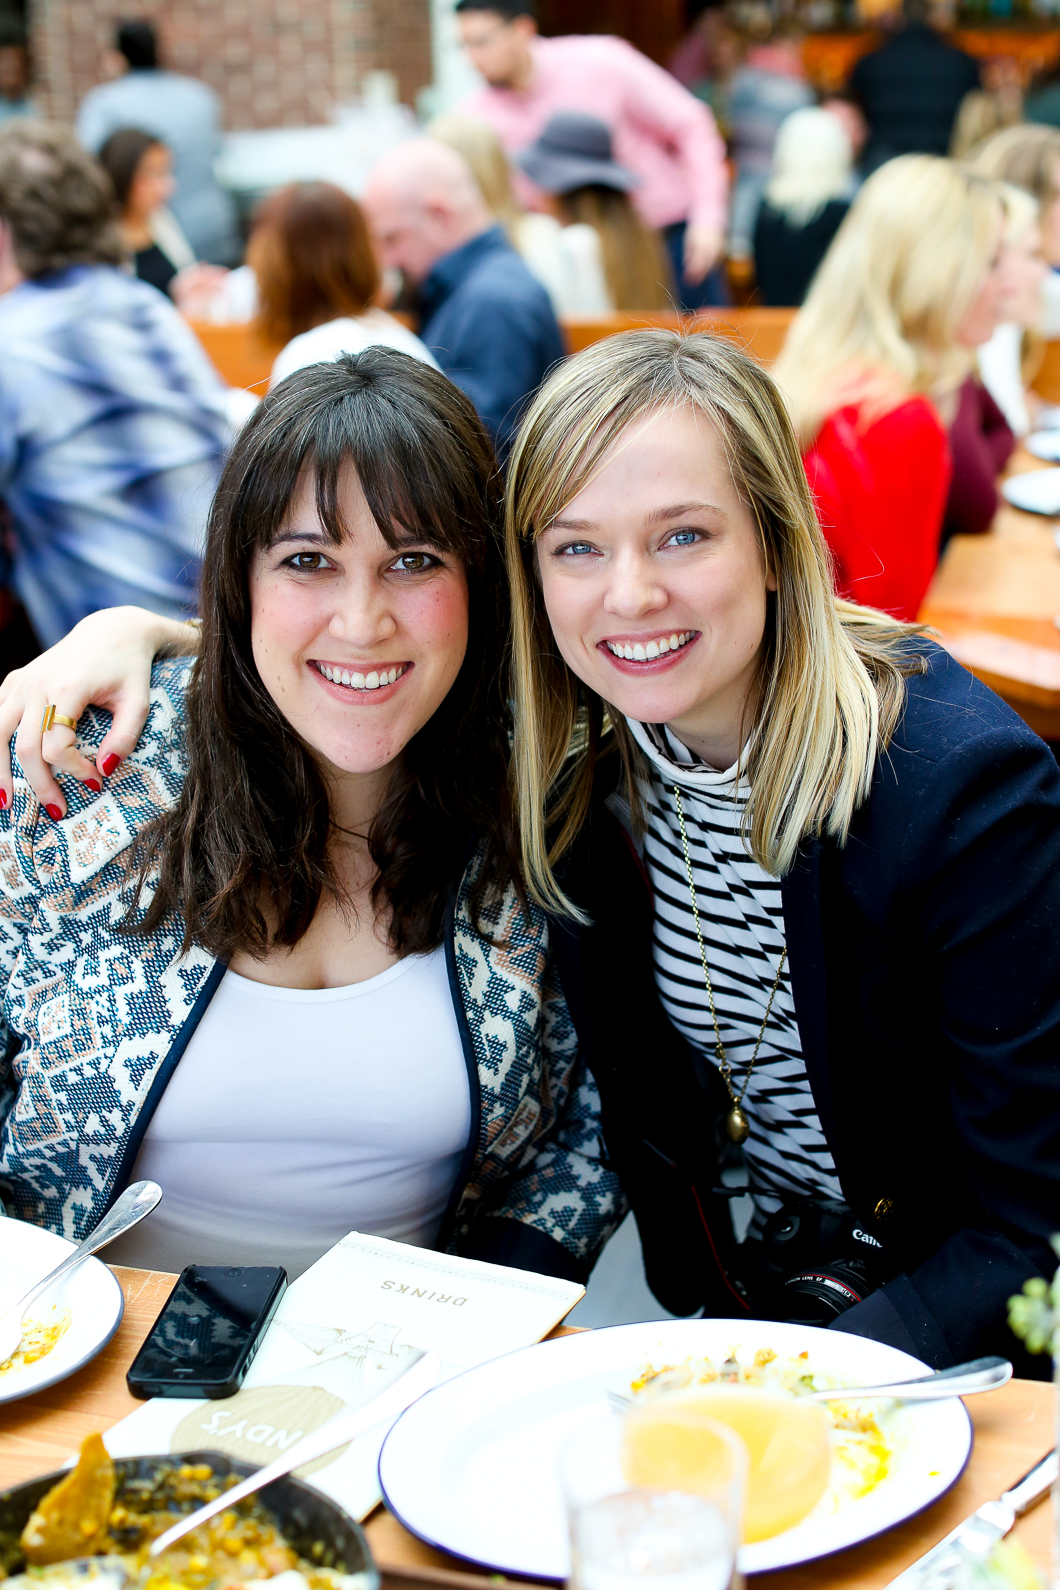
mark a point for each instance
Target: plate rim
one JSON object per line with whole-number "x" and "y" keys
{"x": 545, "y": 1579}
{"x": 1053, "y": 467}
{"x": 98, "y": 1343}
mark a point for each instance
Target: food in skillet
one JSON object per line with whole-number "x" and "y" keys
{"x": 92, "y": 1513}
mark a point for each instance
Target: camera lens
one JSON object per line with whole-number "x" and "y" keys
{"x": 818, "y": 1296}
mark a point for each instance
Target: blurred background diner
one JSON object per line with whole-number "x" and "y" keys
{"x": 864, "y": 193}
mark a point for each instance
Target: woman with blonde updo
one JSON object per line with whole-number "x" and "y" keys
{"x": 912, "y": 284}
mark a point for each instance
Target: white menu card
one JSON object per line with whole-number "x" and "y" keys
{"x": 342, "y": 1332}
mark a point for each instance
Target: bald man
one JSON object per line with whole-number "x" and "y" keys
{"x": 487, "y": 321}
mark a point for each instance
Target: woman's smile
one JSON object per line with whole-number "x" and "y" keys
{"x": 644, "y": 654}
{"x": 364, "y": 682}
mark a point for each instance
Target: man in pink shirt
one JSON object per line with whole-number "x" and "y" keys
{"x": 658, "y": 129}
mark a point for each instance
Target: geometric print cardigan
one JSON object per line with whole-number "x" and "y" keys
{"x": 93, "y": 1024}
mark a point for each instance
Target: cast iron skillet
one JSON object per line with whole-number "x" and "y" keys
{"x": 304, "y": 1515}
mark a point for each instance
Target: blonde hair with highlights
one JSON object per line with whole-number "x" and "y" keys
{"x": 831, "y": 682}
{"x": 881, "y": 318}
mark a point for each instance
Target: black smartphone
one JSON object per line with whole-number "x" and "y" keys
{"x": 204, "y": 1340}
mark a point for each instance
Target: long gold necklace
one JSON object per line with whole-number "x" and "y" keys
{"x": 736, "y": 1123}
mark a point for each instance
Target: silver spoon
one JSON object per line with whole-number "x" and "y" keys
{"x": 127, "y": 1211}
{"x": 962, "y": 1380}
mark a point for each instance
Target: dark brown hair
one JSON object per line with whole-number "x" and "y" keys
{"x": 313, "y": 258}
{"x": 636, "y": 265}
{"x": 252, "y": 825}
{"x": 56, "y": 199}
{"x": 120, "y": 156}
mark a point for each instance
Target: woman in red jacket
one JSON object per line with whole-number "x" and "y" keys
{"x": 875, "y": 359}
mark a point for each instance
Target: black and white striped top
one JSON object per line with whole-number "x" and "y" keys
{"x": 742, "y": 919}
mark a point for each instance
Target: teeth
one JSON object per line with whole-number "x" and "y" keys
{"x": 653, "y": 648}
{"x": 356, "y": 681}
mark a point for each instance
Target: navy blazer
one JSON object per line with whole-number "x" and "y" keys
{"x": 925, "y": 971}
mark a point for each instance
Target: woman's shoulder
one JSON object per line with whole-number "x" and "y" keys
{"x": 954, "y": 728}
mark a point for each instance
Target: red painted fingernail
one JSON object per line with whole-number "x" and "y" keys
{"x": 94, "y": 785}
{"x": 54, "y": 812}
{"x": 110, "y": 762}
{"x": 3, "y": 799}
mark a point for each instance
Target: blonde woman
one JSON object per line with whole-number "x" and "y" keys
{"x": 844, "y": 960}
{"x": 875, "y": 359}
{"x": 1014, "y": 352}
{"x": 844, "y": 975}
{"x": 1028, "y": 157}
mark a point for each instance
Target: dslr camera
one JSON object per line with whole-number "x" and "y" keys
{"x": 813, "y": 1262}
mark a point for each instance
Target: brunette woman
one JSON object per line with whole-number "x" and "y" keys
{"x": 318, "y": 280}
{"x": 847, "y": 962}
{"x": 140, "y": 167}
{"x": 285, "y": 965}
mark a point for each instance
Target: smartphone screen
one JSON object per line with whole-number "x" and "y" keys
{"x": 205, "y": 1338}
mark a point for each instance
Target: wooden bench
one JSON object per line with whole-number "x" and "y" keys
{"x": 237, "y": 354}
{"x": 242, "y": 360}
{"x": 760, "y": 331}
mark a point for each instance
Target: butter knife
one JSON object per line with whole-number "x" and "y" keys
{"x": 981, "y": 1532}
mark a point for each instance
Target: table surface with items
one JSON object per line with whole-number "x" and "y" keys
{"x": 995, "y": 603}
{"x": 1013, "y": 1429}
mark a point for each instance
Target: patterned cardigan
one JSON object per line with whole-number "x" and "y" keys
{"x": 93, "y": 1024}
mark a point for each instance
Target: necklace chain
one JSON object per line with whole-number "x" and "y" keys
{"x": 719, "y": 1048}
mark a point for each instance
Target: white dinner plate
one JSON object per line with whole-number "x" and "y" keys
{"x": 472, "y": 1467}
{"x": 1038, "y": 491}
{"x": 91, "y": 1293}
{"x": 1045, "y": 445}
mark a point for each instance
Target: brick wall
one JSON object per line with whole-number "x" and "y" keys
{"x": 274, "y": 63}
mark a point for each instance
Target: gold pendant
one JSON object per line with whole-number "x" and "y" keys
{"x": 737, "y": 1125}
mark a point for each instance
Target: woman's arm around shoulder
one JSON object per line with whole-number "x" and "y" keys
{"x": 104, "y": 661}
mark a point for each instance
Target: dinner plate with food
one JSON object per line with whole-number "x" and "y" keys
{"x": 473, "y": 1466}
{"x": 69, "y": 1325}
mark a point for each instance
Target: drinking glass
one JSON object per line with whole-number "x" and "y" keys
{"x": 634, "y": 1537}
{"x": 668, "y": 1441}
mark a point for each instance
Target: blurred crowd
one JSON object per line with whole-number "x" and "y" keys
{"x": 912, "y": 220}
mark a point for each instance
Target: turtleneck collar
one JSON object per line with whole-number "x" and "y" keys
{"x": 678, "y": 765}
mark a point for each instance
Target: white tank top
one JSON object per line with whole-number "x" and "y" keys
{"x": 297, "y": 1115}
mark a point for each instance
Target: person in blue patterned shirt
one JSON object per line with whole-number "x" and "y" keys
{"x": 112, "y": 419}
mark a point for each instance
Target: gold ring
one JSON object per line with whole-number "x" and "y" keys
{"x": 51, "y": 717}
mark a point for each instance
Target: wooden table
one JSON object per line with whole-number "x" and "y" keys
{"x": 1013, "y": 1428}
{"x": 995, "y": 600}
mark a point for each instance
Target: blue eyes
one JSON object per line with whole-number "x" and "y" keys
{"x": 678, "y": 538}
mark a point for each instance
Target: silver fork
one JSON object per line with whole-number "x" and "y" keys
{"x": 963, "y": 1380}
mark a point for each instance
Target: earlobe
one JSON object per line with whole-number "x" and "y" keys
{"x": 771, "y": 581}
